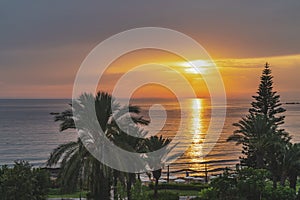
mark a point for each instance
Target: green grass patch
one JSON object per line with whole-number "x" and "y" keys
{"x": 184, "y": 190}
{"x": 178, "y": 186}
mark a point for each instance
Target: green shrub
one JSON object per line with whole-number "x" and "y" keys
{"x": 207, "y": 194}
{"x": 298, "y": 195}
{"x": 137, "y": 191}
{"x": 251, "y": 183}
{"x": 163, "y": 196}
{"x": 177, "y": 186}
{"x": 23, "y": 183}
{"x": 279, "y": 193}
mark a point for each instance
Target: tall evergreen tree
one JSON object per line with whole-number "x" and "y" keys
{"x": 267, "y": 101}
{"x": 259, "y": 131}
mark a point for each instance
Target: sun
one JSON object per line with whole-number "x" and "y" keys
{"x": 195, "y": 66}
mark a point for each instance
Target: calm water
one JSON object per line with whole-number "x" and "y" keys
{"x": 28, "y": 132}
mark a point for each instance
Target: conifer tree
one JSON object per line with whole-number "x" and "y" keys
{"x": 267, "y": 101}
{"x": 259, "y": 131}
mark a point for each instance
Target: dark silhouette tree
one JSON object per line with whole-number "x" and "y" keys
{"x": 255, "y": 133}
{"x": 152, "y": 144}
{"x": 259, "y": 132}
{"x": 77, "y": 162}
{"x": 290, "y": 166}
{"x": 267, "y": 101}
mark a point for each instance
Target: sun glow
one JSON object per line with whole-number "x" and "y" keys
{"x": 195, "y": 66}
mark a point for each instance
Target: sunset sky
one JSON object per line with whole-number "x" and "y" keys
{"x": 43, "y": 43}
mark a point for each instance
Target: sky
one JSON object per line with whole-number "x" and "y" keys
{"x": 43, "y": 43}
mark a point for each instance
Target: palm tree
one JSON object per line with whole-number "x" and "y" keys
{"x": 131, "y": 144}
{"x": 291, "y": 164}
{"x": 74, "y": 161}
{"x": 155, "y": 143}
{"x": 77, "y": 161}
{"x": 254, "y": 133}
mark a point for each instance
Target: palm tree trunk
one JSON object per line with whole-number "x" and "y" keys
{"x": 101, "y": 184}
{"x": 259, "y": 161}
{"x": 283, "y": 179}
{"x": 274, "y": 179}
{"x": 115, "y": 184}
{"x": 155, "y": 189}
{"x": 128, "y": 188}
{"x": 293, "y": 181}
{"x": 156, "y": 175}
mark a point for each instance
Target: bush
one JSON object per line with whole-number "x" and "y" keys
{"x": 279, "y": 193}
{"x": 298, "y": 195}
{"x": 225, "y": 187}
{"x": 248, "y": 184}
{"x": 252, "y": 183}
{"x": 41, "y": 182}
{"x": 23, "y": 183}
{"x": 207, "y": 194}
{"x": 164, "y": 196}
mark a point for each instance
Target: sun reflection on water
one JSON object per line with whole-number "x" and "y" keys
{"x": 197, "y": 128}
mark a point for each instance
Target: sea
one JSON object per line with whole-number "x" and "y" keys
{"x": 28, "y": 131}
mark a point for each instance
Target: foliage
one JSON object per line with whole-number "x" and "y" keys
{"x": 41, "y": 182}
{"x": 266, "y": 145}
{"x": 163, "y": 196}
{"x": 23, "y": 183}
{"x": 152, "y": 144}
{"x": 279, "y": 193}
{"x": 290, "y": 165}
{"x": 179, "y": 186}
{"x": 267, "y": 101}
{"x": 78, "y": 166}
{"x": 207, "y": 194}
{"x": 225, "y": 186}
{"x": 56, "y": 193}
{"x": 298, "y": 195}
{"x": 257, "y": 134}
{"x": 137, "y": 191}
{"x": 121, "y": 191}
{"x": 245, "y": 184}
{"x": 251, "y": 183}
{"x": 261, "y": 125}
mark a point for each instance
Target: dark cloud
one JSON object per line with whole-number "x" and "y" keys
{"x": 50, "y": 37}
{"x": 252, "y": 27}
